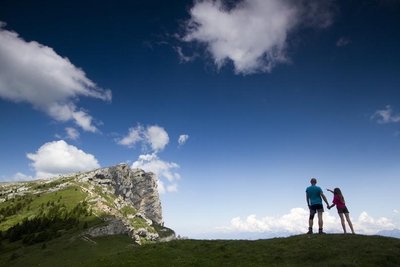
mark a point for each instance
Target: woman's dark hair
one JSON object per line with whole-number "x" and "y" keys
{"x": 338, "y": 192}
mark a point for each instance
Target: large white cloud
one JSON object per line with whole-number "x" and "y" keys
{"x": 253, "y": 34}
{"x": 34, "y": 73}
{"x": 164, "y": 170}
{"x": 58, "y": 157}
{"x": 153, "y": 136}
{"x": 296, "y": 222}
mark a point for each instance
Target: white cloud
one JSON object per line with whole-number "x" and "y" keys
{"x": 19, "y": 176}
{"x": 160, "y": 187}
{"x": 72, "y": 133}
{"x": 162, "y": 169}
{"x": 286, "y": 223}
{"x": 182, "y": 139}
{"x": 34, "y": 73}
{"x": 253, "y": 34}
{"x": 296, "y": 222}
{"x": 134, "y": 136}
{"x": 184, "y": 58}
{"x": 157, "y": 137}
{"x": 58, "y": 157}
{"x": 172, "y": 187}
{"x": 368, "y": 225}
{"x": 386, "y": 115}
{"x": 154, "y": 136}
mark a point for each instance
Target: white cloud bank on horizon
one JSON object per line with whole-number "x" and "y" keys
{"x": 34, "y": 73}
{"x": 58, "y": 157}
{"x": 253, "y": 34}
{"x": 386, "y": 115}
{"x": 296, "y": 222}
{"x": 19, "y": 176}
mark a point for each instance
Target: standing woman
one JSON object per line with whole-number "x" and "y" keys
{"x": 338, "y": 200}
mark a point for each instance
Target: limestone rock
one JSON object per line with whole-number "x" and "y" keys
{"x": 114, "y": 227}
{"x": 134, "y": 186}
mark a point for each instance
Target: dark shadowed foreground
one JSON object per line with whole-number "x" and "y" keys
{"x": 303, "y": 250}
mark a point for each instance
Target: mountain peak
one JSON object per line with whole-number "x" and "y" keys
{"x": 134, "y": 185}
{"x": 112, "y": 200}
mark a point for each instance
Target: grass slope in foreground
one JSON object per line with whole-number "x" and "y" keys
{"x": 302, "y": 250}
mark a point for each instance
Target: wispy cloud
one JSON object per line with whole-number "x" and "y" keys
{"x": 135, "y": 135}
{"x": 343, "y": 41}
{"x": 58, "y": 157}
{"x": 289, "y": 223}
{"x": 34, "y": 73}
{"x": 183, "y": 139}
{"x": 386, "y": 115}
{"x": 183, "y": 57}
{"x": 253, "y": 34}
{"x": 72, "y": 133}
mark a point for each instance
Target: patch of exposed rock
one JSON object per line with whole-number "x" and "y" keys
{"x": 135, "y": 186}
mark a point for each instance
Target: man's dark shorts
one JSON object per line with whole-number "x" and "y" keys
{"x": 316, "y": 208}
{"x": 343, "y": 210}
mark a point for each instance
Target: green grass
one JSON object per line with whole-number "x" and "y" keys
{"x": 303, "y": 250}
{"x": 107, "y": 197}
{"x": 70, "y": 249}
{"x": 128, "y": 210}
{"x": 70, "y": 196}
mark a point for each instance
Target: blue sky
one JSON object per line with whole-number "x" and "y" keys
{"x": 263, "y": 95}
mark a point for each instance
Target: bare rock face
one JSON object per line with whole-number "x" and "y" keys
{"x": 133, "y": 185}
{"x": 114, "y": 227}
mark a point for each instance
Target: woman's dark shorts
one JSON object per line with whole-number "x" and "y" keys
{"x": 343, "y": 210}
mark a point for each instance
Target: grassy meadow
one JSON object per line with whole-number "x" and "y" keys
{"x": 302, "y": 250}
{"x": 46, "y": 226}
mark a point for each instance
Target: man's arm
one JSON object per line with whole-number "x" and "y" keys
{"x": 307, "y": 200}
{"x": 324, "y": 198}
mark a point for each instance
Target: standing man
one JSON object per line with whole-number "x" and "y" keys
{"x": 314, "y": 196}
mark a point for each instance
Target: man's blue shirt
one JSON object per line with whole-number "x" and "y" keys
{"x": 314, "y": 194}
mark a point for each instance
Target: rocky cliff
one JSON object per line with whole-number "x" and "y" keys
{"x": 107, "y": 201}
{"x": 134, "y": 186}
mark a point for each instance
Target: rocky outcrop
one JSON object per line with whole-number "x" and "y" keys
{"x": 124, "y": 200}
{"x": 114, "y": 227}
{"x": 135, "y": 186}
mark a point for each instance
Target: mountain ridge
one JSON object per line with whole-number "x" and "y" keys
{"x": 113, "y": 200}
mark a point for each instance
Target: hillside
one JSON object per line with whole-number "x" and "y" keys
{"x": 303, "y": 250}
{"x": 103, "y": 202}
{"x": 113, "y": 217}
